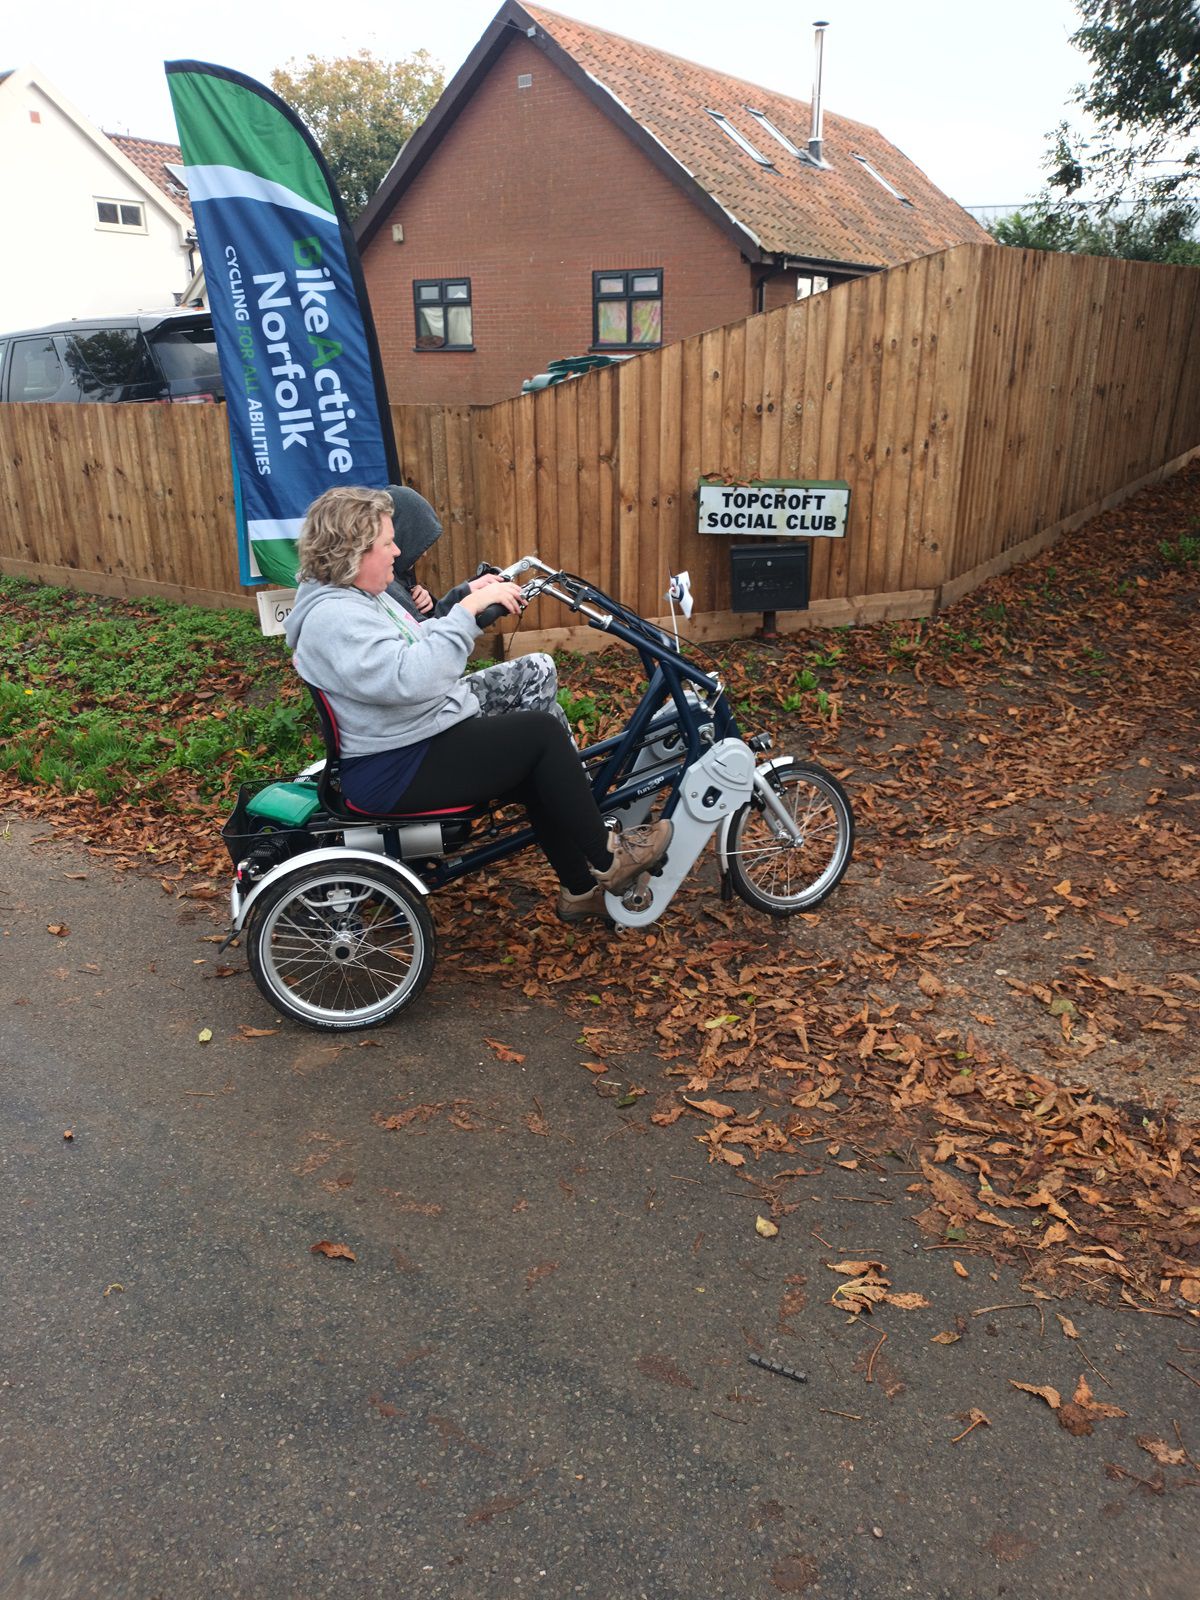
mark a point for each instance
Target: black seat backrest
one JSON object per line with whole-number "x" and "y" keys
{"x": 329, "y": 788}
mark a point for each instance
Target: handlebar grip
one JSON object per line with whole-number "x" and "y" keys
{"x": 486, "y": 569}
{"x": 490, "y": 614}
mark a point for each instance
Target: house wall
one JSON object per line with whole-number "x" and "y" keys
{"x": 51, "y": 174}
{"x": 530, "y": 191}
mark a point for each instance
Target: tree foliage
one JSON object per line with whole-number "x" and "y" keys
{"x": 1143, "y": 101}
{"x": 1162, "y": 235}
{"x": 361, "y": 110}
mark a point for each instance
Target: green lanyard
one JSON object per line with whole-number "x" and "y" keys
{"x": 401, "y": 622}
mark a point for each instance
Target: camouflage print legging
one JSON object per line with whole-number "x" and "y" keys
{"x": 527, "y": 683}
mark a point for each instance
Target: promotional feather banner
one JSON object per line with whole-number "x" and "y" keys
{"x": 304, "y": 384}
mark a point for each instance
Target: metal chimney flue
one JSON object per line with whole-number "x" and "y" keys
{"x": 815, "y": 140}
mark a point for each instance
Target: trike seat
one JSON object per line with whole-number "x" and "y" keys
{"x": 329, "y": 788}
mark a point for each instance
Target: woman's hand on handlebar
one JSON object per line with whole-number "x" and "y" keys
{"x": 493, "y": 594}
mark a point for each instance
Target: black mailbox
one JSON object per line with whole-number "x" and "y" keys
{"x": 769, "y": 577}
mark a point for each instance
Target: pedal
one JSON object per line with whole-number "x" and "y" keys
{"x": 638, "y": 896}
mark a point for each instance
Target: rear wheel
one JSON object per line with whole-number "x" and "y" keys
{"x": 780, "y": 874}
{"x": 341, "y": 947}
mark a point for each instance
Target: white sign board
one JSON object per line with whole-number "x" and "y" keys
{"x": 274, "y": 607}
{"x": 789, "y": 510}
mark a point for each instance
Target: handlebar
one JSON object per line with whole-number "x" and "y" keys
{"x": 547, "y": 583}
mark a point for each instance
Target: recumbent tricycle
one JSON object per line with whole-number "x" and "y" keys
{"x": 331, "y": 903}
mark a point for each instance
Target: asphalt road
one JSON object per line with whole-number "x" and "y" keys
{"x": 533, "y": 1378}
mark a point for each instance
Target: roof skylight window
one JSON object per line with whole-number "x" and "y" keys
{"x": 880, "y": 179}
{"x": 768, "y": 126}
{"x": 740, "y": 139}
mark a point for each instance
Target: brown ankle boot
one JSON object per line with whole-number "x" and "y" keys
{"x": 634, "y": 852}
{"x": 581, "y": 907}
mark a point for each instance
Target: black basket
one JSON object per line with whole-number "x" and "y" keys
{"x": 259, "y": 841}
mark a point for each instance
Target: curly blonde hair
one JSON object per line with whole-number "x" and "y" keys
{"x": 339, "y": 528}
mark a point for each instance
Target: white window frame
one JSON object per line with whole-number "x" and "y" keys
{"x": 119, "y": 226}
{"x": 768, "y": 126}
{"x": 728, "y": 129}
{"x": 880, "y": 179}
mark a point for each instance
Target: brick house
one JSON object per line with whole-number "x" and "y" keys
{"x": 575, "y": 191}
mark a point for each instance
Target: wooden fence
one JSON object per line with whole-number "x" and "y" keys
{"x": 978, "y": 402}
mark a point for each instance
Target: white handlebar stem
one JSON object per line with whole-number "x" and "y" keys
{"x": 524, "y": 564}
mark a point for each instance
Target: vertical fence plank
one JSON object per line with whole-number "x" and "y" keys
{"x": 629, "y": 483}
{"x": 651, "y": 559}
{"x": 750, "y": 401}
{"x": 886, "y": 547}
{"x": 951, "y": 409}
{"x": 698, "y": 546}
{"x": 673, "y": 537}
{"x": 563, "y": 466}
{"x": 525, "y": 453}
{"x": 807, "y": 325}
{"x": 609, "y": 498}
{"x": 588, "y": 477}
{"x": 829, "y": 564}
{"x": 919, "y": 558}
{"x": 907, "y": 435}
{"x": 715, "y": 572}
{"x": 775, "y": 326}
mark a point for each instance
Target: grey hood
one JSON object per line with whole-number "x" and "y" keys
{"x": 416, "y": 524}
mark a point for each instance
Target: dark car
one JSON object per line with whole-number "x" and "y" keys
{"x": 164, "y": 356}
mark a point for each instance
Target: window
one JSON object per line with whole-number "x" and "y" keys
{"x": 768, "y": 126}
{"x": 880, "y": 179}
{"x": 35, "y": 372}
{"x": 810, "y": 283}
{"x": 187, "y": 354}
{"x": 627, "y": 309}
{"x": 443, "y": 309}
{"x": 731, "y": 132}
{"x": 121, "y": 216}
{"x": 110, "y": 359}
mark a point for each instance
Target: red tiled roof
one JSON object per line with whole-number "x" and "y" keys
{"x": 837, "y": 214}
{"x": 150, "y": 156}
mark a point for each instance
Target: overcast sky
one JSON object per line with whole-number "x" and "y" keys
{"x": 966, "y": 88}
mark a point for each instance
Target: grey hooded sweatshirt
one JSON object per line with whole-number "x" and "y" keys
{"x": 391, "y": 681}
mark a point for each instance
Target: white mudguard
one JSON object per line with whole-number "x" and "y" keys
{"x": 240, "y": 904}
{"x": 713, "y": 788}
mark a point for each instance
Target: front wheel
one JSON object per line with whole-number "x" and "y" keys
{"x": 341, "y": 947}
{"x": 779, "y": 873}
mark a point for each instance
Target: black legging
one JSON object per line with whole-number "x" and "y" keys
{"x": 525, "y": 756}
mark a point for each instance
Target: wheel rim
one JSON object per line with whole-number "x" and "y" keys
{"x": 341, "y": 949}
{"x": 783, "y": 872}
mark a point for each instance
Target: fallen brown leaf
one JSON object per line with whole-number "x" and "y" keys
{"x": 1043, "y": 1391}
{"x": 335, "y": 1252}
{"x": 1166, "y": 1455}
{"x": 504, "y": 1052}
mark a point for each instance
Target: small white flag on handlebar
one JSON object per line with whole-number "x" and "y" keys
{"x": 680, "y": 593}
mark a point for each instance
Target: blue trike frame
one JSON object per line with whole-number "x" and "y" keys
{"x": 668, "y": 673}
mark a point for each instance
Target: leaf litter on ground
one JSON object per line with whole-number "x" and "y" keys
{"x": 1005, "y": 985}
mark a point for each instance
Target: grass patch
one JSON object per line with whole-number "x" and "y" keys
{"x": 114, "y": 698}
{"x": 1181, "y": 552}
